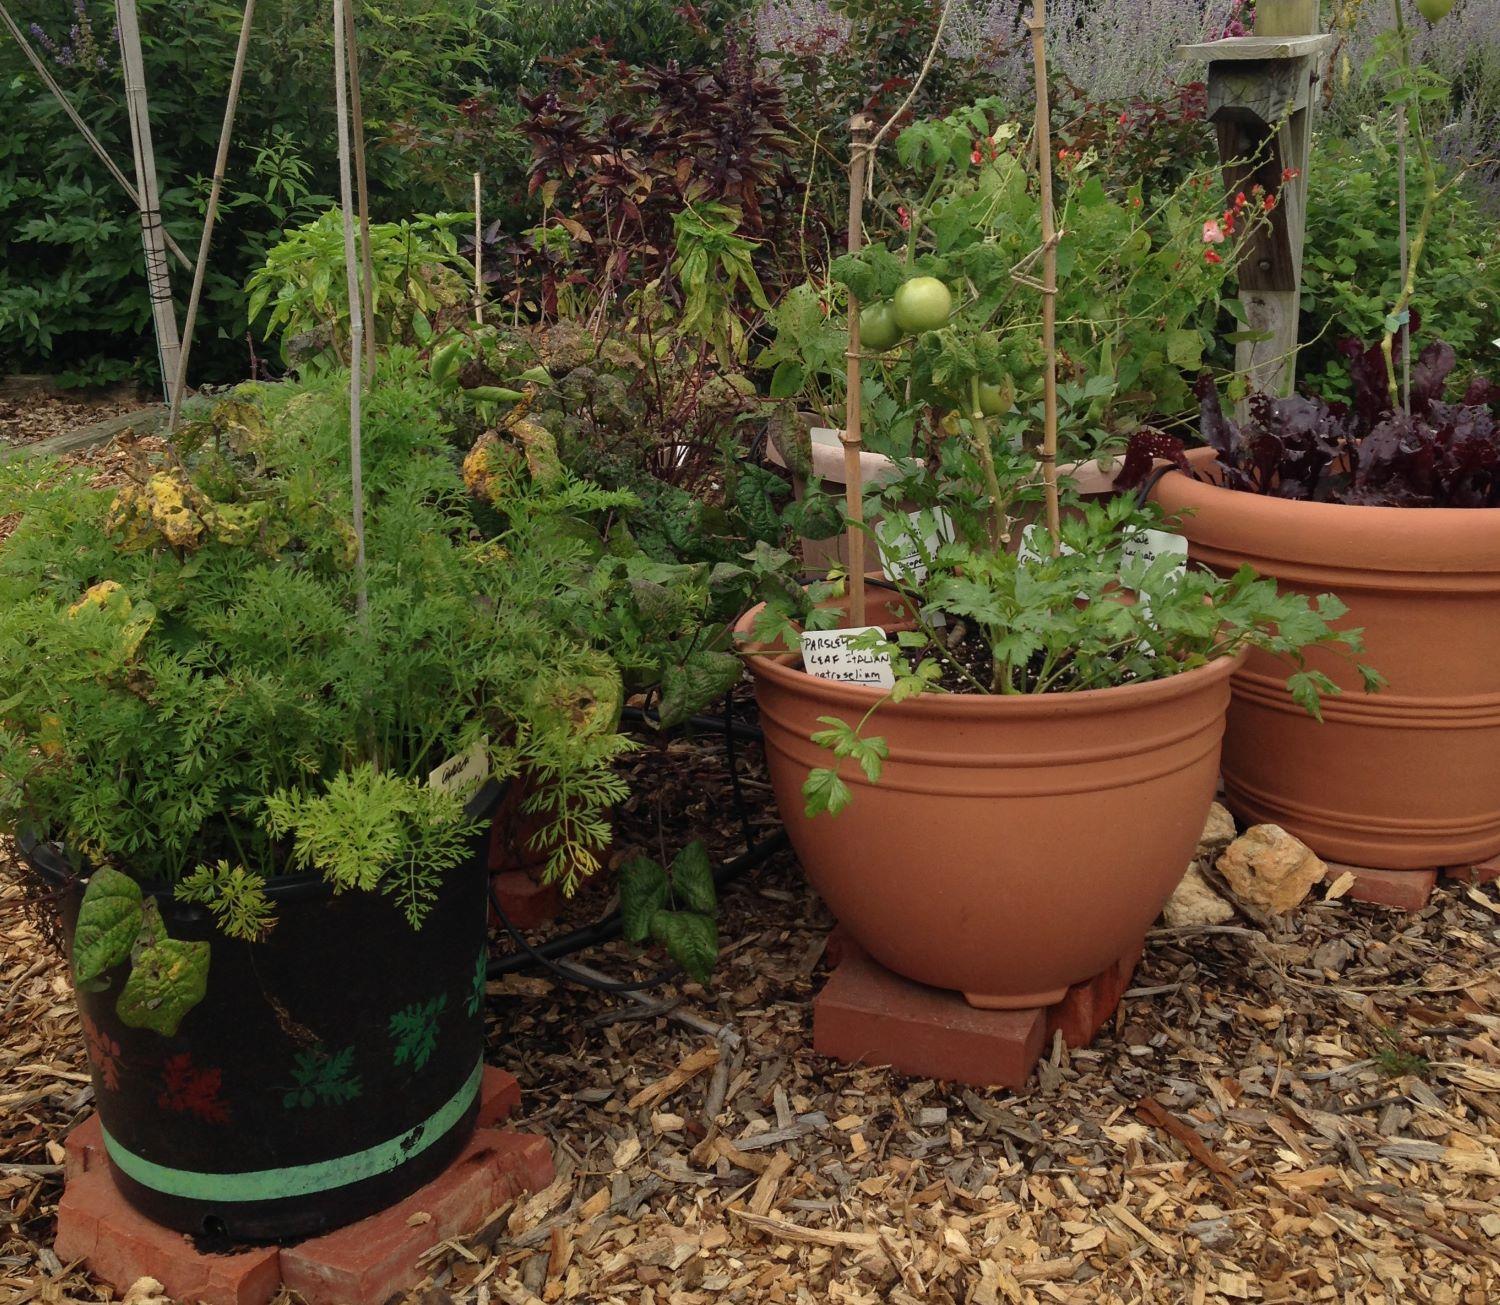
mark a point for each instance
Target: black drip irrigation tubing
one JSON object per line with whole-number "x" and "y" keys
{"x": 547, "y": 954}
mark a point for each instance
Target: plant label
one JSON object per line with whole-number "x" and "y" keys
{"x": 905, "y": 546}
{"x": 464, "y": 774}
{"x": 1149, "y": 546}
{"x": 827, "y": 654}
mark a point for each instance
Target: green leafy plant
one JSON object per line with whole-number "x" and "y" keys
{"x": 191, "y": 695}
{"x": 1094, "y": 613}
{"x": 302, "y": 293}
{"x": 1140, "y": 290}
{"x": 675, "y": 907}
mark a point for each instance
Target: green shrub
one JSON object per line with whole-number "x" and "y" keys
{"x": 1352, "y": 266}
{"x": 72, "y": 286}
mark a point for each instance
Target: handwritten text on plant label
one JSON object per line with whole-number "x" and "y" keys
{"x": 464, "y": 774}
{"x": 827, "y": 654}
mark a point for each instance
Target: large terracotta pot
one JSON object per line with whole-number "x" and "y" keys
{"x": 1405, "y": 779}
{"x": 1015, "y": 845}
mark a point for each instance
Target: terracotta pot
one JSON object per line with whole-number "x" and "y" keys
{"x": 1405, "y": 779}
{"x": 1090, "y": 479}
{"x": 1014, "y": 845}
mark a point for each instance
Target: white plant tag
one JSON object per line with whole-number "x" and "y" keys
{"x": 904, "y": 550}
{"x": 1029, "y": 552}
{"x": 1149, "y": 546}
{"x": 463, "y": 775}
{"x": 827, "y": 654}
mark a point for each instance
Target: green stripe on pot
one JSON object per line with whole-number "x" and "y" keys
{"x": 300, "y": 1180}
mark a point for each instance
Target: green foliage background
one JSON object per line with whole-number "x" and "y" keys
{"x": 439, "y": 77}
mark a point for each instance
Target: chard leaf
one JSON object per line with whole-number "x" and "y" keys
{"x": 109, "y": 918}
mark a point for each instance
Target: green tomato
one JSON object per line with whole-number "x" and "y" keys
{"x": 994, "y": 400}
{"x": 877, "y": 328}
{"x": 922, "y": 304}
{"x": 1434, "y": 11}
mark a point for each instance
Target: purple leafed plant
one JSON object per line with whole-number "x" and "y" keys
{"x": 1373, "y": 454}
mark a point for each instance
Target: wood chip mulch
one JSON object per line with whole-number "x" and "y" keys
{"x": 1309, "y": 1112}
{"x": 29, "y": 418}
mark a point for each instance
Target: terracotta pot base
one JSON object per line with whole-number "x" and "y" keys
{"x": 1023, "y": 1001}
{"x": 866, "y": 1015}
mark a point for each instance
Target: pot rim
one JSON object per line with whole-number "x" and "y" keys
{"x": 780, "y": 668}
{"x": 1341, "y": 516}
{"x": 48, "y": 859}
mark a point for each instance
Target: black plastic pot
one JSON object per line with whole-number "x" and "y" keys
{"x": 331, "y": 1069}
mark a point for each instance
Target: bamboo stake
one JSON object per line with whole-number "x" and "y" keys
{"x": 362, "y": 184}
{"x": 221, "y": 160}
{"x": 158, "y": 277}
{"x": 859, "y": 162}
{"x": 356, "y": 315}
{"x": 83, "y": 128}
{"x": 1038, "y": 26}
{"x": 478, "y": 257}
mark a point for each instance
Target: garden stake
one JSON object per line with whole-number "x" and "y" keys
{"x": 362, "y": 187}
{"x": 158, "y": 278}
{"x": 221, "y": 160}
{"x": 356, "y": 315}
{"x": 83, "y": 128}
{"x": 478, "y": 257}
{"x": 859, "y": 162}
{"x": 1038, "y": 25}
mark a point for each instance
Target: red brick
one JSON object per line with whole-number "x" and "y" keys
{"x": 499, "y": 1097}
{"x": 527, "y": 903}
{"x": 83, "y": 1148}
{"x": 1088, "y": 1006}
{"x": 119, "y": 1245}
{"x": 866, "y": 1015}
{"x": 1404, "y": 890}
{"x": 376, "y": 1258}
{"x": 1486, "y": 872}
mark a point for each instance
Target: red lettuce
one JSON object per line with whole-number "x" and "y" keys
{"x": 1370, "y": 453}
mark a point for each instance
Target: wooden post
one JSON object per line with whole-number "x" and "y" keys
{"x": 1261, "y": 102}
{"x": 158, "y": 275}
{"x": 859, "y": 163}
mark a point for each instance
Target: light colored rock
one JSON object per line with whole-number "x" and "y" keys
{"x": 1270, "y": 869}
{"x": 1218, "y": 833}
{"x": 1195, "y": 903}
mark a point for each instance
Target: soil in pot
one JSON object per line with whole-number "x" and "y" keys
{"x": 330, "y": 1070}
{"x": 1014, "y": 845}
{"x": 1405, "y": 779}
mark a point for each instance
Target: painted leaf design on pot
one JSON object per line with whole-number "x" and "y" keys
{"x": 475, "y": 1002}
{"x": 104, "y": 1054}
{"x": 188, "y": 1090}
{"x": 414, "y": 1031}
{"x": 323, "y": 1079}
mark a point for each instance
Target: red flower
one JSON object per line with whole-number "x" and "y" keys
{"x": 1211, "y": 256}
{"x": 1291, "y": 174}
{"x": 904, "y": 218}
{"x": 1270, "y": 203}
{"x": 976, "y": 157}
